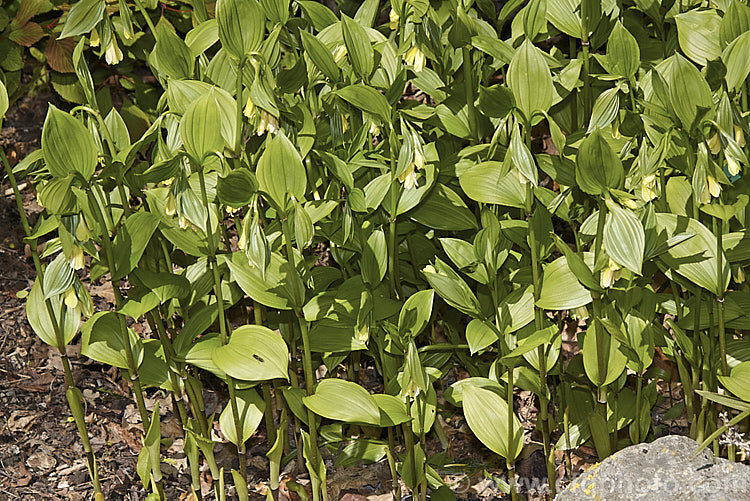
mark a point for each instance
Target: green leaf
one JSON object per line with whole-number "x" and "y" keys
{"x": 343, "y": 401}
{"x": 479, "y": 336}
{"x": 576, "y": 264}
{"x": 491, "y": 183}
{"x": 241, "y": 26}
{"x": 3, "y": 102}
{"x": 320, "y": 15}
{"x": 237, "y": 188}
{"x": 689, "y": 93}
{"x": 101, "y": 340}
{"x": 367, "y": 99}
{"x": 598, "y": 168}
{"x": 280, "y": 171}
{"x": 606, "y": 108}
{"x": 67, "y": 145}
{"x": 443, "y": 209}
{"x": 738, "y": 382}
{"x": 41, "y": 322}
{"x": 560, "y": 288}
{"x": 736, "y": 60}
{"x": 534, "y": 18}
{"x": 374, "y": 261}
{"x": 171, "y": 56}
{"x": 735, "y": 22}
{"x": 532, "y": 342}
{"x": 150, "y": 289}
{"x": 320, "y": 55}
{"x": 530, "y": 80}
{"x": 181, "y": 94}
{"x": 522, "y": 158}
{"x": 624, "y": 237}
{"x": 131, "y": 240}
{"x": 58, "y": 277}
{"x": 253, "y": 353}
{"x": 200, "y": 129}
{"x": 202, "y": 37}
{"x": 452, "y": 288}
{"x": 304, "y": 231}
{"x": 250, "y": 407}
{"x": 487, "y": 415}
{"x": 277, "y": 11}
{"x": 272, "y": 289}
{"x": 416, "y": 312}
{"x": 358, "y": 47}
{"x": 614, "y": 359}
{"x": 564, "y": 15}
{"x": 694, "y": 258}
{"x": 623, "y": 52}
{"x": 414, "y": 379}
{"x": 392, "y": 410}
{"x": 600, "y": 434}
{"x": 697, "y": 32}
{"x": 83, "y": 17}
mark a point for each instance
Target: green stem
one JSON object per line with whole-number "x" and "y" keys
{"x": 586, "y": 82}
{"x": 511, "y": 460}
{"x": 392, "y": 465}
{"x": 223, "y": 325}
{"x": 638, "y": 404}
{"x": 132, "y": 367}
{"x": 143, "y": 11}
{"x": 238, "y": 139}
{"x": 541, "y": 349}
{"x": 75, "y": 404}
{"x": 720, "y": 296}
{"x": 469, "y": 89}
{"x": 306, "y": 350}
{"x": 573, "y": 93}
{"x": 601, "y": 354}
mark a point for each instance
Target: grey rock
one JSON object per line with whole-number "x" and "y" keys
{"x": 662, "y": 470}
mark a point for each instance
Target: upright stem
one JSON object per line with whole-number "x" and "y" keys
{"x": 393, "y": 272}
{"x": 238, "y": 139}
{"x": 74, "y": 400}
{"x": 511, "y": 460}
{"x": 469, "y": 89}
{"x": 586, "y": 82}
{"x": 720, "y": 297}
{"x": 143, "y": 11}
{"x": 223, "y": 326}
{"x": 132, "y": 370}
{"x": 597, "y": 302}
{"x": 573, "y": 93}
{"x": 541, "y": 349}
{"x": 306, "y": 351}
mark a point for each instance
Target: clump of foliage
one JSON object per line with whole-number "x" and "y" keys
{"x": 280, "y": 129}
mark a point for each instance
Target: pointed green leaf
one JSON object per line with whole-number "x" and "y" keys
{"x": 250, "y": 407}
{"x": 83, "y": 17}
{"x": 358, "y": 47}
{"x": 280, "y": 171}
{"x": 623, "y": 52}
{"x": 530, "y": 80}
{"x": 241, "y": 26}
{"x": 624, "y": 237}
{"x": 598, "y": 168}
{"x": 253, "y": 353}
{"x": 367, "y": 99}
{"x": 67, "y": 145}
{"x": 487, "y": 415}
{"x": 689, "y": 93}
{"x": 343, "y": 401}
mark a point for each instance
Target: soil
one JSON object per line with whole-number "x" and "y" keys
{"x": 40, "y": 453}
